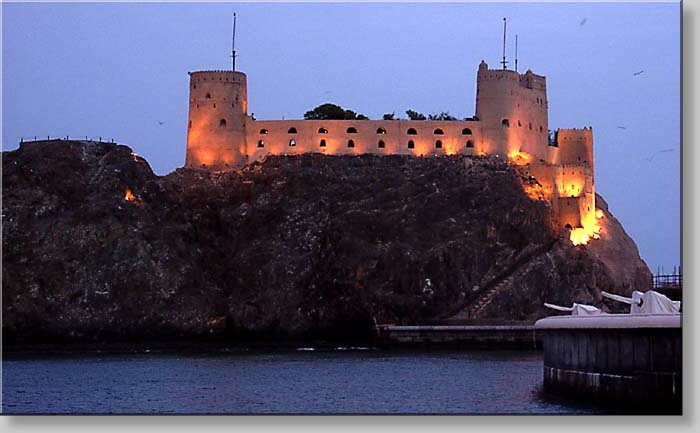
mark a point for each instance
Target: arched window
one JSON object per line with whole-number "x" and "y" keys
{"x": 469, "y": 143}
{"x": 519, "y": 124}
{"x": 411, "y": 144}
{"x": 381, "y": 144}
{"x": 263, "y": 131}
{"x": 568, "y": 227}
{"x": 439, "y": 132}
{"x": 323, "y": 143}
{"x": 222, "y": 123}
{"x": 530, "y": 126}
{"x": 261, "y": 143}
{"x": 322, "y": 131}
{"x": 438, "y": 144}
{"x": 381, "y": 131}
{"x": 292, "y": 130}
{"x": 466, "y": 131}
{"x": 351, "y": 130}
{"x": 292, "y": 143}
{"x": 505, "y": 123}
{"x": 215, "y": 105}
{"x": 411, "y": 131}
{"x": 351, "y": 143}
{"x": 189, "y": 125}
{"x": 208, "y": 96}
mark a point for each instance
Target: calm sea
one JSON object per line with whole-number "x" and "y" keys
{"x": 342, "y": 380}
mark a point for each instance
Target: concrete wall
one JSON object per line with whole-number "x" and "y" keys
{"x": 632, "y": 366}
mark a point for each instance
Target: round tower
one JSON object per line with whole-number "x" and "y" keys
{"x": 512, "y": 109}
{"x": 216, "y": 134}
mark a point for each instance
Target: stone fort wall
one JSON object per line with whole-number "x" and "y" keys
{"x": 511, "y": 121}
{"x": 354, "y": 137}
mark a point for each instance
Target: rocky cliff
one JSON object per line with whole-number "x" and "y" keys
{"x": 95, "y": 246}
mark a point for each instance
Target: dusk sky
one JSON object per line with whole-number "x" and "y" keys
{"x": 120, "y": 70}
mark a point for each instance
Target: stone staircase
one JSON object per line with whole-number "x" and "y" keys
{"x": 486, "y": 298}
{"x": 500, "y": 283}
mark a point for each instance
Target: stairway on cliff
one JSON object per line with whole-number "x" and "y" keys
{"x": 471, "y": 309}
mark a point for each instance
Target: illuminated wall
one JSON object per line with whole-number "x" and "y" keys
{"x": 511, "y": 120}
{"x": 354, "y": 137}
{"x": 216, "y": 131}
{"x": 512, "y": 108}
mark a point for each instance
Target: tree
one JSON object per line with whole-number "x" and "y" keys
{"x": 553, "y": 138}
{"x": 388, "y": 116}
{"x": 414, "y": 115}
{"x": 442, "y": 116}
{"x": 330, "y": 111}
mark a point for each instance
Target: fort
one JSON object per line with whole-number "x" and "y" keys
{"x": 511, "y": 121}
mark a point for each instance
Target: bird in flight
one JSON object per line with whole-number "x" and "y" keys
{"x": 657, "y": 152}
{"x": 583, "y": 21}
{"x": 160, "y": 123}
{"x": 621, "y": 127}
{"x": 638, "y": 73}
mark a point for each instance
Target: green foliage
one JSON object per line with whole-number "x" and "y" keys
{"x": 442, "y": 116}
{"x": 388, "y": 116}
{"x": 414, "y": 115}
{"x": 330, "y": 111}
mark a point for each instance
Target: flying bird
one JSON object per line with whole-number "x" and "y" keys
{"x": 621, "y": 127}
{"x": 583, "y": 21}
{"x": 160, "y": 123}
{"x": 638, "y": 73}
{"x": 656, "y": 153}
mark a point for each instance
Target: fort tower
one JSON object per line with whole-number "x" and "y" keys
{"x": 511, "y": 121}
{"x": 512, "y": 110}
{"x": 216, "y": 133}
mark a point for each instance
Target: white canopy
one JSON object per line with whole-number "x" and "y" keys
{"x": 576, "y": 309}
{"x": 650, "y": 302}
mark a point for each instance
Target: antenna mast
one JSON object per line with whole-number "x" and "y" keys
{"x": 516, "y": 52}
{"x": 504, "y": 44}
{"x": 233, "y": 43}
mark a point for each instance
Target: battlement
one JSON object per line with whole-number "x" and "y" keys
{"x": 528, "y": 80}
{"x": 575, "y": 145}
{"x": 217, "y": 76}
{"x": 512, "y": 113}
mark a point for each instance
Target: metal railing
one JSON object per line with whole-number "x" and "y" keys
{"x": 98, "y": 138}
{"x": 674, "y": 279}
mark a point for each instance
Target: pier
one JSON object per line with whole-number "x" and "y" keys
{"x": 500, "y": 336}
{"x": 633, "y": 360}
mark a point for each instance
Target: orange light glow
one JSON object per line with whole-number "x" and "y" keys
{"x": 591, "y": 229}
{"x": 131, "y": 198}
{"x": 579, "y": 236}
{"x": 519, "y": 158}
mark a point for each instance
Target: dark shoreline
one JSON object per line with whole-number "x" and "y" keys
{"x": 221, "y": 347}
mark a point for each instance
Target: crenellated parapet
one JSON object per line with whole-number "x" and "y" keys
{"x": 511, "y": 120}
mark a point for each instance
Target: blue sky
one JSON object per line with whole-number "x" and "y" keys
{"x": 117, "y": 70}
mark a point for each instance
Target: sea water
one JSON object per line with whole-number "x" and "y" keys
{"x": 305, "y": 380}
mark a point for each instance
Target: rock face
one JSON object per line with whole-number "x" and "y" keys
{"x": 303, "y": 246}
